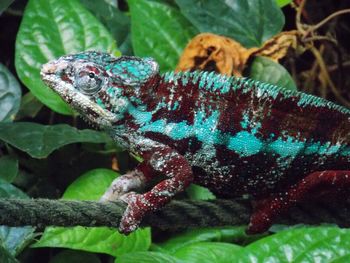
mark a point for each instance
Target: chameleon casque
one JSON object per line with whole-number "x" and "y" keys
{"x": 235, "y": 136}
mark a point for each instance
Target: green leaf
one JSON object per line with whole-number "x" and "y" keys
{"x": 4, "y": 4}
{"x": 197, "y": 192}
{"x": 71, "y": 256}
{"x": 10, "y": 95}
{"x": 7, "y": 190}
{"x": 216, "y": 234}
{"x": 210, "y": 252}
{"x": 30, "y": 106}
{"x": 50, "y": 29}
{"x": 6, "y": 257}
{"x": 8, "y": 168}
{"x": 40, "y": 140}
{"x": 116, "y": 21}
{"x": 91, "y": 186}
{"x": 160, "y": 31}
{"x": 14, "y": 239}
{"x": 250, "y": 22}
{"x": 95, "y": 239}
{"x": 266, "y": 70}
{"x": 282, "y": 3}
{"x": 147, "y": 257}
{"x": 307, "y": 244}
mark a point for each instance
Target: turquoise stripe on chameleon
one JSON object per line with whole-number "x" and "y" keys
{"x": 178, "y": 131}
{"x": 328, "y": 149}
{"x": 245, "y": 144}
{"x": 345, "y": 151}
{"x": 157, "y": 126}
{"x": 205, "y": 127}
{"x": 289, "y": 147}
{"x": 312, "y": 148}
{"x": 139, "y": 115}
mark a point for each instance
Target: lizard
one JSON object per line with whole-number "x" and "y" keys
{"x": 235, "y": 136}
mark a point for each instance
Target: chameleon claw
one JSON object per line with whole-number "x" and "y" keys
{"x": 133, "y": 214}
{"x": 126, "y": 228}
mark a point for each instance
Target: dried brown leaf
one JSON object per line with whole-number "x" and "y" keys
{"x": 212, "y": 52}
{"x": 224, "y": 55}
{"x": 277, "y": 47}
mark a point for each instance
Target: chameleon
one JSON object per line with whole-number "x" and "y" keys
{"x": 235, "y": 136}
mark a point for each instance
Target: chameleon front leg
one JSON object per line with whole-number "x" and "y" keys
{"x": 318, "y": 183}
{"x": 161, "y": 160}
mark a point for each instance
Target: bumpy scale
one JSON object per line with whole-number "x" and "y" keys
{"x": 233, "y": 135}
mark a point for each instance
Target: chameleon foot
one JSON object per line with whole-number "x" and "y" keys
{"x": 133, "y": 213}
{"x": 314, "y": 185}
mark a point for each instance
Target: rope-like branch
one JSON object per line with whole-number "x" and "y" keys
{"x": 175, "y": 216}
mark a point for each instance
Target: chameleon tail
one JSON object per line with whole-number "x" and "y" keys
{"x": 314, "y": 185}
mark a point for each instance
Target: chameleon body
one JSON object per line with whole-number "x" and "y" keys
{"x": 235, "y": 136}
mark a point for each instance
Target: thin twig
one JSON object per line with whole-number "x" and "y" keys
{"x": 336, "y": 66}
{"x": 320, "y": 38}
{"x": 310, "y": 77}
{"x": 326, "y": 20}
{"x": 299, "y": 25}
{"x": 14, "y": 12}
{"x": 325, "y": 73}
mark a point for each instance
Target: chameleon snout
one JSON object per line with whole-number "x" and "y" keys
{"x": 53, "y": 67}
{"x": 48, "y": 68}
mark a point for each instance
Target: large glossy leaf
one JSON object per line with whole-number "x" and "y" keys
{"x": 7, "y": 190}
{"x": 52, "y": 28}
{"x": 147, "y": 257}
{"x": 8, "y": 168}
{"x": 266, "y": 70}
{"x": 307, "y": 244}
{"x": 40, "y": 140}
{"x": 160, "y": 31}
{"x": 304, "y": 244}
{"x": 6, "y": 257}
{"x": 116, "y": 21}
{"x": 198, "y": 252}
{"x": 10, "y": 95}
{"x": 91, "y": 186}
{"x": 208, "y": 252}
{"x": 250, "y": 22}
{"x": 217, "y": 234}
{"x": 14, "y": 239}
{"x": 282, "y": 3}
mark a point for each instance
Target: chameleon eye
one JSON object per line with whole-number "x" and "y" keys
{"x": 89, "y": 83}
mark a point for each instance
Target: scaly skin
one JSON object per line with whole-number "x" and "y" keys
{"x": 234, "y": 136}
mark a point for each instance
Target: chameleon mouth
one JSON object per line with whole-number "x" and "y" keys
{"x": 84, "y": 104}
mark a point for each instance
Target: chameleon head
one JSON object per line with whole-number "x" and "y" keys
{"x": 99, "y": 86}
